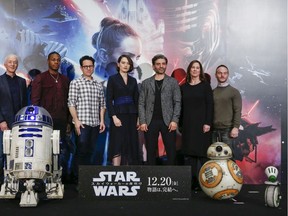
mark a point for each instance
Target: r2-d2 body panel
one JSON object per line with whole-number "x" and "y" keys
{"x": 220, "y": 178}
{"x": 31, "y": 156}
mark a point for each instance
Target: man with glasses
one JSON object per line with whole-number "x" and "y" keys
{"x": 87, "y": 106}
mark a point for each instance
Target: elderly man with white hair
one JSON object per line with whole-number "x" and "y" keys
{"x": 13, "y": 97}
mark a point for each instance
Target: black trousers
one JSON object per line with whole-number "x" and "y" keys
{"x": 151, "y": 138}
{"x": 196, "y": 163}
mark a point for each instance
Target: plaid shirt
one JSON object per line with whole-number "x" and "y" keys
{"x": 87, "y": 96}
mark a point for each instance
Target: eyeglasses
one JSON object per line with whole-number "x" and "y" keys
{"x": 86, "y": 67}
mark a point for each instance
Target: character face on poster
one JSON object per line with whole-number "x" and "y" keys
{"x": 213, "y": 32}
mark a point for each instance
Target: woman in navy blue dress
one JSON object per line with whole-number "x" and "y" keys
{"x": 122, "y": 100}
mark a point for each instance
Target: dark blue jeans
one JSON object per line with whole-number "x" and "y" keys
{"x": 85, "y": 146}
{"x": 222, "y": 135}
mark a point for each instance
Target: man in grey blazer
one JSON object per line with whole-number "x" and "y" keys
{"x": 13, "y": 97}
{"x": 159, "y": 110}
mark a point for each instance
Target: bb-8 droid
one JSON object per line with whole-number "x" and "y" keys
{"x": 220, "y": 178}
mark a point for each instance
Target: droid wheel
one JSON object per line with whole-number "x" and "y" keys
{"x": 272, "y": 196}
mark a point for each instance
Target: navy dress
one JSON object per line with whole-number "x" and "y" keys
{"x": 122, "y": 101}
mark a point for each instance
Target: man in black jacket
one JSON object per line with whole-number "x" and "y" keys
{"x": 13, "y": 97}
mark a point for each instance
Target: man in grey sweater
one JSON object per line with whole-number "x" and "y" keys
{"x": 227, "y": 108}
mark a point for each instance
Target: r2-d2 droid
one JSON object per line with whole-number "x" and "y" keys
{"x": 32, "y": 151}
{"x": 220, "y": 177}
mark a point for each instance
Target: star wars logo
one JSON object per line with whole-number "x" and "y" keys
{"x": 116, "y": 183}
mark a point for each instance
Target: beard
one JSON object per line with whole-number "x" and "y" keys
{"x": 160, "y": 71}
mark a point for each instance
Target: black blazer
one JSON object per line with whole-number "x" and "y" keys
{"x": 6, "y": 106}
{"x": 117, "y": 89}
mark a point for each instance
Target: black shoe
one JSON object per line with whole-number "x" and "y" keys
{"x": 1, "y": 180}
{"x": 74, "y": 180}
{"x": 197, "y": 189}
{"x": 67, "y": 179}
{"x": 195, "y": 186}
{"x": 77, "y": 188}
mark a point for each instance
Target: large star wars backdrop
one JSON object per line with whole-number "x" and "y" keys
{"x": 249, "y": 36}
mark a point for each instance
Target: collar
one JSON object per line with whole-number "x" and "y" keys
{"x": 87, "y": 80}
{"x": 10, "y": 76}
{"x": 161, "y": 79}
{"x": 221, "y": 85}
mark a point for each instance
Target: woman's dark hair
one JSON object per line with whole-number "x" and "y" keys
{"x": 111, "y": 34}
{"x": 188, "y": 75}
{"x": 33, "y": 73}
{"x": 129, "y": 60}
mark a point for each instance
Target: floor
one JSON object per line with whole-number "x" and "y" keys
{"x": 250, "y": 201}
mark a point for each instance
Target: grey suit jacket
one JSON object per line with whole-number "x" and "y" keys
{"x": 170, "y": 100}
{"x": 6, "y": 104}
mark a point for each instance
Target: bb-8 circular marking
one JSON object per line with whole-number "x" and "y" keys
{"x": 228, "y": 193}
{"x": 210, "y": 180}
{"x": 235, "y": 171}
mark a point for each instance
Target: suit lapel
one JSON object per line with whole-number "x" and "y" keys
{"x": 121, "y": 81}
{"x": 152, "y": 83}
{"x": 165, "y": 82}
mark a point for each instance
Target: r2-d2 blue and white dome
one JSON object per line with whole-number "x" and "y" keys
{"x": 32, "y": 151}
{"x": 220, "y": 178}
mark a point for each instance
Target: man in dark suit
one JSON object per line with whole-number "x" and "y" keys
{"x": 13, "y": 97}
{"x": 159, "y": 110}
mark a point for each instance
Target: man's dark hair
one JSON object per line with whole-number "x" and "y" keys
{"x": 222, "y": 65}
{"x": 54, "y": 52}
{"x": 159, "y": 56}
{"x": 86, "y": 57}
